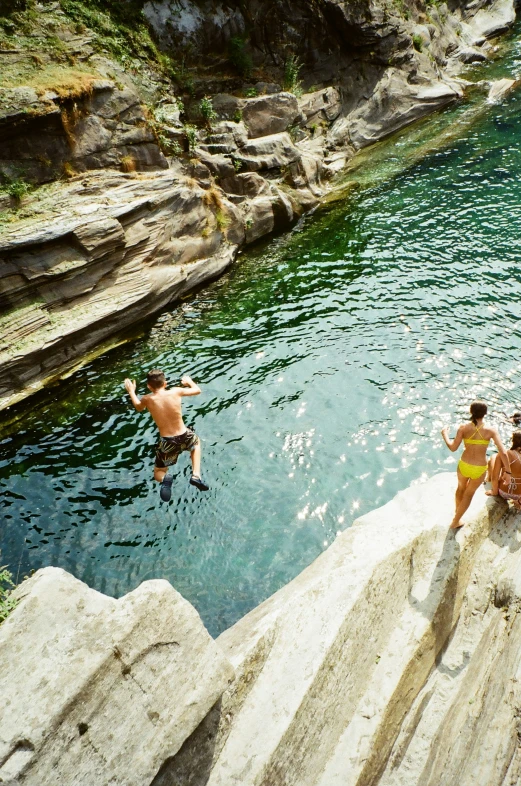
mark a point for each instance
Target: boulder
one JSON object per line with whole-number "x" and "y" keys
{"x": 470, "y": 55}
{"x": 270, "y": 114}
{"x": 492, "y": 20}
{"x": 500, "y": 89}
{"x": 393, "y": 104}
{"x": 268, "y": 152}
{"x": 97, "y": 690}
{"x": 219, "y": 165}
{"x": 237, "y": 130}
{"x": 247, "y": 184}
{"x": 259, "y": 218}
{"x": 322, "y": 105}
{"x": 306, "y": 173}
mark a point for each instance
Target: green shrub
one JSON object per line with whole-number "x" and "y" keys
{"x": 239, "y": 57}
{"x": 292, "y": 68}
{"x": 191, "y": 136}
{"x": 7, "y": 602}
{"x": 207, "y": 111}
{"x": 417, "y": 41}
{"x": 16, "y": 189}
{"x": 251, "y": 92}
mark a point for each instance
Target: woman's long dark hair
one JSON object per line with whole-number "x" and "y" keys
{"x": 516, "y": 440}
{"x": 478, "y": 410}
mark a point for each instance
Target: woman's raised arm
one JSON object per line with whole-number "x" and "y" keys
{"x": 456, "y": 442}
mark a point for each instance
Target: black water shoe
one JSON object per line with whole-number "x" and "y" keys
{"x": 196, "y": 481}
{"x": 165, "y": 492}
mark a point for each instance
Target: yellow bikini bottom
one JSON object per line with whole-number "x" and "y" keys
{"x": 472, "y": 471}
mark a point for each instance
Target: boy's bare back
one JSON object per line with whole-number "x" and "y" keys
{"x": 165, "y": 405}
{"x": 165, "y": 408}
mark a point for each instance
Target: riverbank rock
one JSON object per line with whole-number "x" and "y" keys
{"x": 335, "y": 672}
{"x": 114, "y": 249}
{"x": 493, "y": 20}
{"x": 49, "y": 135}
{"x": 96, "y": 690}
{"x": 394, "y": 103}
{"x": 501, "y": 88}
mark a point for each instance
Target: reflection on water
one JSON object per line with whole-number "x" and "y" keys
{"x": 329, "y": 360}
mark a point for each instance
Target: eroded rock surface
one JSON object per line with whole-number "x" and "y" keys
{"x": 95, "y": 690}
{"x": 393, "y": 660}
{"x": 44, "y": 136}
{"x": 97, "y": 671}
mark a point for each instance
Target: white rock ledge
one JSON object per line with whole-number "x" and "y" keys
{"x": 394, "y": 659}
{"x": 330, "y": 667}
{"x": 94, "y": 690}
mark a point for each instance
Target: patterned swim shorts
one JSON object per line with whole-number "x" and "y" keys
{"x": 169, "y": 449}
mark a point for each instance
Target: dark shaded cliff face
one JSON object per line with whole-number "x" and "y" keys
{"x": 325, "y": 35}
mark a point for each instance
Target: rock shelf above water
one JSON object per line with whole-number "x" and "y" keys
{"x": 393, "y": 659}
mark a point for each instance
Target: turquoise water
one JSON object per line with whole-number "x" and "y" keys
{"x": 329, "y": 360}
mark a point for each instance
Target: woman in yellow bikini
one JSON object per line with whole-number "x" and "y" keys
{"x": 473, "y": 464}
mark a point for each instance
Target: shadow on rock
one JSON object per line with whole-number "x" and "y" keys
{"x": 193, "y": 763}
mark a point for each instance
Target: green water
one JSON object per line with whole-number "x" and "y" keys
{"x": 328, "y": 359}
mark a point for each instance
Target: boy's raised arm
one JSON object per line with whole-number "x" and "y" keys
{"x": 130, "y": 385}
{"x": 190, "y": 389}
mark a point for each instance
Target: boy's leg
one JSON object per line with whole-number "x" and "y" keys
{"x": 195, "y": 457}
{"x": 159, "y": 473}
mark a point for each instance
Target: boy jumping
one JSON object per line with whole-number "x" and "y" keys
{"x": 165, "y": 407}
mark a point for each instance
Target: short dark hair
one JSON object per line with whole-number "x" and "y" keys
{"x": 156, "y": 379}
{"x": 478, "y": 410}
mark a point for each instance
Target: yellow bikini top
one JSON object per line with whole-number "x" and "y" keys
{"x": 473, "y": 441}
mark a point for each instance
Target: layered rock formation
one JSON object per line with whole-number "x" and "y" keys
{"x": 393, "y": 659}
{"x": 82, "y": 260}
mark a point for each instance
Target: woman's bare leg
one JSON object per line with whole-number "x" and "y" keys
{"x": 469, "y": 489}
{"x": 490, "y": 469}
{"x": 496, "y": 465}
{"x": 462, "y": 485}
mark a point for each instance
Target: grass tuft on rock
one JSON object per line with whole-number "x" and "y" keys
{"x": 7, "y": 602}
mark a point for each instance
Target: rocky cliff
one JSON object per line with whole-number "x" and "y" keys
{"x": 392, "y": 659}
{"x": 129, "y": 177}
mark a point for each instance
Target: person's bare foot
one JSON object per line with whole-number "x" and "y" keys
{"x": 491, "y": 493}
{"x": 456, "y": 525}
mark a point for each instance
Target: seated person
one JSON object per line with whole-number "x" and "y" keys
{"x": 505, "y": 485}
